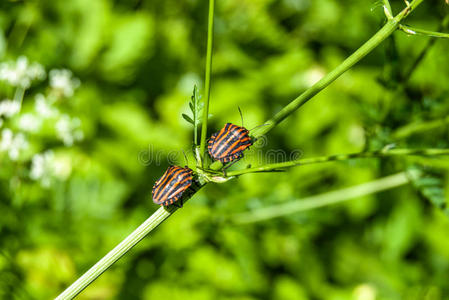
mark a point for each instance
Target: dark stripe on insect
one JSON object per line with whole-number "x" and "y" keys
{"x": 237, "y": 147}
{"x": 229, "y": 145}
{"x": 164, "y": 192}
{"x": 170, "y": 174}
{"x": 173, "y": 184}
{"x": 178, "y": 188}
{"x": 224, "y": 132}
{"x": 170, "y": 187}
{"x": 221, "y": 145}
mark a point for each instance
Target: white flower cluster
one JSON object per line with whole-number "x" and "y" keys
{"x": 68, "y": 130}
{"x": 63, "y": 82}
{"x": 9, "y": 108}
{"x": 32, "y": 122}
{"x": 12, "y": 144}
{"x": 43, "y": 108}
{"x": 41, "y": 167}
{"x": 21, "y": 73}
{"x": 29, "y": 122}
{"x": 46, "y": 166}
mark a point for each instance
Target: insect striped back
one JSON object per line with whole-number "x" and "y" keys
{"x": 229, "y": 143}
{"x": 170, "y": 187}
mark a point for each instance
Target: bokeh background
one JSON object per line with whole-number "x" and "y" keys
{"x": 104, "y": 84}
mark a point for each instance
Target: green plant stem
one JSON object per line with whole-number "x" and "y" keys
{"x": 340, "y": 157}
{"x": 18, "y": 95}
{"x": 210, "y": 40}
{"x": 373, "y": 42}
{"x": 407, "y": 74}
{"x": 412, "y": 31}
{"x": 419, "y": 127}
{"x": 103, "y": 264}
{"x": 321, "y": 200}
{"x": 196, "y": 104}
{"x": 161, "y": 214}
{"x": 387, "y": 9}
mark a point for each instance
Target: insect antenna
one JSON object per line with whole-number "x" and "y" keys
{"x": 241, "y": 115}
{"x": 185, "y": 157}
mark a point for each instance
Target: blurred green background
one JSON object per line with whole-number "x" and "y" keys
{"x": 78, "y": 161}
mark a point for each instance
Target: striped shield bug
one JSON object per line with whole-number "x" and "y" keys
{"x": 170, "y": 187}
{"x": 229, "y": 143}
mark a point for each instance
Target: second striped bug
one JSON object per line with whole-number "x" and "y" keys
{"x": 228, "y": 144}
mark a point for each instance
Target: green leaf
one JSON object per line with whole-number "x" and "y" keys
{"x": 196, "y": 107}
{"x": 430, "y": 184}
{"x": 188, "y": 119}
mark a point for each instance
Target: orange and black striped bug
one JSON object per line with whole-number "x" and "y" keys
{"x": 170, "y": 187}
{"x": 229, "y": 143}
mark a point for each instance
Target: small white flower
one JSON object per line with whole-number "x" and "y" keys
{"x": 43, "y": 108}
{"x": 68, "y": 130}
{"x": 36, "y": 72}
{"x": 41, "y": 168}
{"x": 21, "y": 73}
{"x": 6, "y": 141}
{"x": 46, "y": 166}
{"x": 12, "y": 144}
{"x": 38, "y": 165}
{"x": 63, "y": 81}
{"x": 30, "y": 123}
{"x": 9, "y": 108}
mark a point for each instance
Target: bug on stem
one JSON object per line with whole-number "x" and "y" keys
{"x": 229, "y": 143}
{"x": 170, "y": 187}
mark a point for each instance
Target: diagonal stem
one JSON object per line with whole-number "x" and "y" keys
{"x": 373, "y": 42}
{"x": 419, "y": 127}
{"x": 103, "y": 264}
{"x": 121, "y": 249}
{"x": 340, "y": 157}
{"x": 406, "y": 76}
{"x": 321, "y": 200}
{"x": 161, "y": 214}
{"x": 412, "y": 31}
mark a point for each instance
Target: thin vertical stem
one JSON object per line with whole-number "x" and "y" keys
{"x": 210, "y": 39}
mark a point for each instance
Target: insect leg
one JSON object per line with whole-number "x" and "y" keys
{"x": 233, "y": 162}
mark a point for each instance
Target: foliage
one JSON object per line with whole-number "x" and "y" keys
{"x": 137, "y": 62}
{"x": 196, "y": 108}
